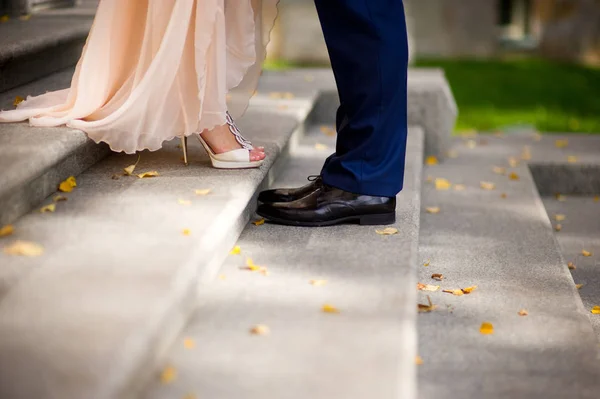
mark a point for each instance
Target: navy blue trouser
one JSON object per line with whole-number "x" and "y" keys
{"x": 368, "y": 46}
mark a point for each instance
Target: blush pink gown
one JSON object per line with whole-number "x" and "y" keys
{"x": 153, "y": 70}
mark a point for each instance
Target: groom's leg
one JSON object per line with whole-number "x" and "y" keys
{"x": 368, "y": 46}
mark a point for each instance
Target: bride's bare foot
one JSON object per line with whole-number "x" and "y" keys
{"x": 220, "y": 139}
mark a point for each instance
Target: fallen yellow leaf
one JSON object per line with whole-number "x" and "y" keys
{"x": 558, "y": 227}
{"x": 427, "y": 287}
{"x": 128, "y": 171}
{"x": 24, "y": 248}
{"x": 327, "y": 308}
{"x": 486, "y": 328}
{"x": 59, "y": 198}
{"x": 152, "y": 173}
{"x": 597, "y": 198}
{"x": 190, "y": 396}
{"x": 18, "y": 100}
{"x": 572, "y": 159}
{"x": 487, "y": 185}
{"x": 283, "y": 107}
{"x": 426, "y": 263}
{"x": 437, "y": 276}
{"x": 168, "y": 375}
{"x": 596, "y": 310}
{"x": 388, "y": 231}
{"x": 68, "y": 185}
{"x": 468, "y": 290}
{"x": 559, "y": 218}
{"x": 275, "y": 95}
{"x": 460, "y": 187}
{"x": 523, "y": 312}
{"x": 255, "y": 268}
{"x": 429, "y": 179}
{"x": 288, "y": 96}
{"x": 7, "y": 230}
{"x": 418, "y": 360}
{"x": 526, "y": 154}
{"x": 187, "y": 232}
{"x": 513, "y": 176}
{"x": 189, "y": 343}
{"x": 328, "y": 131}
{"x": 431, "y": 160}
{"x": 454, "y": 292}
{"x": 442, "y": 184}
{"x": 433, "y": 209}
{"x": 235, "y": 250}
{"x": 561, "y": 143}
{"x": 48, "y": 208}
{"x": 499, "y": 170}
{"x": 260, "y": 329}
{"x": 586, "y": 253}
{"x": 561, "y": 198}
{"x": 318, "y": 283}
{"x": 503, "y": 195}
{"x": 26, "y": 17}
{"x": 321, "y": 147}
{"x": 578, "y": 286}
{"x": 571, "y": 266}
{"x": 222, "y": 277}
{"x": 513, "y": 162}
{"x": 4, "y": 18}
{"x": 184, "y": 202}
{"x": 430, "y": 307}
{"x": 205, "y": 191}
{"x": 259, "y": 222}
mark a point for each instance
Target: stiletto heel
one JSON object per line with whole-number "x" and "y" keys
{"x": 184, "y": 148}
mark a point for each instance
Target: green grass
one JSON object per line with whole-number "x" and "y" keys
{"x": 552, "y": 97}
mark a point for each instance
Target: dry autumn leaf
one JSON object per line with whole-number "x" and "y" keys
{"x": 558, "y": 227}
{"x": 561, "y": 143}
{"x": 186, "y": 232}
{"x": 222, "y": 277}
{"x": 454, "y": 292}
{"x": 442, "y": 184}
{"x": 59, "y": 198}
{"x": 427, "y": 287}
{"x": 4, "y": 18}
{"x": 560, "y": 198}
{"x": 429, "y": 179}
{"x": 259, "y": 222}
{"x": 328, "y": 131}
{"x": 572, "y": 159}
{"x": 486, "y": 328}
{"x": 275, "y": 95}
{"x": 437, "y": 276}
{"x": 597, "y": 198}
{"x": 202, "y": 192}
{"x": 68, "y": 185}
{"x": 168, "y": 375}
{"x": 255, "y": 268}
{"x": 288, "y": 96}
{"x": 24, "y": 248}
{"x": 513, "y": 176}
{"x": 190, "y": 396}
{"x": 499, "y": 170}
{"x": 431, "y": 160}
{"x": 321, "y": 147}
{"x": 7, "y": 230}
{"x": 48, "y": 208}
{"x": 318, "y": 283}
{"x": 25, "y": 17}
{"x": 468, "y": 290}
{"x": 418, "y": 360}
{"x": 430, "y": 307}
{"x": 426, "y": 263}
{"x": 388, "y": 231}
{"x": 571, "y": 266}
{"x": 433, "y": 210}
{"x": 235, "y": 250}
{"x": 503, "y": 196}
{"x": 586, "y": 253}
{"x": 578, "y": 286}
{"x": 559, "y": 218}
{"x": 128, "y": 171}
{"x": 526, "y": 154}
{"x": 596, "y": 310}
{"x": 487, "y": 185}
{"x": 18, "y": 100}
{"x": 184, "y": 202}
{"x": 260, "y": 329}
{"x": 328, "y": 308}
{"x": 513, "y": 162}
{"x": 189, "y": 343}
{"x": 144, "y": 175}
{"x": 523, "y": 312}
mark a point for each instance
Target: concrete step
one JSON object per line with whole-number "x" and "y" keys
{"x": 366, "y": 351}
{"x": 504, "y": 245}
{"x": 580, "y": 231}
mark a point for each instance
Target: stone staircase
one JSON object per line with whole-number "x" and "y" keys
{"x": 137, "y": 294}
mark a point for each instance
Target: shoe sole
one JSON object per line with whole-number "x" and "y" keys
{"x": 363, "y": 220}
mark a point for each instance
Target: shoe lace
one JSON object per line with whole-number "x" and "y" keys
{"x": 237, "y": 134}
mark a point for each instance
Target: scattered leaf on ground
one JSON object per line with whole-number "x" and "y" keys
{"x": 523, "y": 312}
{"x": 68, "y": 185}
{"x": 318, "y": 283}
{"x": 25, "y": 17}
{"x": 558, "y": 227}
{"x": 486, "y": 328}
{"x": 4, "y": 18}
{"x": 128, "y": 171}
{"x": 429, "y": 179}
{"x": 275, "y": 95}
{"x": 59, "y": 198}
{"x": 596, "y": 310}
{"x": 168, "y": 375}
{"x": 560, "y": 198}
{"x": 499, "y": 170}
{"x": 572, "y": 159}
{"x": 186, "y": 232}
{"x": 255, "y": 268}
{"x": 328, "y": 131}
{"x": 115, "y": 177}
{"x": 259, "y": 222}
{"x": 437, "y": 276}
{"x": 144, "y": 175}
{"x": 578, "y": 286}
{"x": 283, "y": 107}
{"x": 442, "y": 184}
{"x": 48, "y": 208}
{"x": 433, "y": 209}
{"x": 288, "y": 96}
{"x": 235, "y": 250}
{"x": 597, "y": 198}
{"x": 513, "y": 176}
{"x": 184, "y": 202}
{"x": 559, "y": 217}
{"x": 526, "y": 154}
{"x": 388, "y": 231}
{"x": 430, "y": 307}
{"x": 222, "y": 277}
{"x": 561, "y": 143}
{"x": 454, "y": 292}
{"x": 418, "y": 360}
{"x": 321, "y": 147}
{"x": 7, "y": 230}
{"x": 24, "y": 248}
{"x": 427, "y": 287}
{"x": 468, "y": 290}
{"x": 431, "y": 160}
{"x": 189, "y": 343}
{"x": 426, "y": 263}
{"x": 327, "y": 308}
{"x": 18, "y": 100}
{"x": 571, "y": 266}
{"x": 487, "y": 185}
{"x": 503, "y": 196}
{"x": 460, "y": 187}
{"x": 204, "y": 191}
{"x": 260, "y": 329}
{"x": 190, "y": 396}
{"x": 586, "y": 253}
{"x": 513, "y": 162}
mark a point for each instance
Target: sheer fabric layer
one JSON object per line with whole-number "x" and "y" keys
{"x": 152, "y": 70}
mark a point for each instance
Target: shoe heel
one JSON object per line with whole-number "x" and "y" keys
{"x": 377, "y": 220}
{"x": 184, "y": 148}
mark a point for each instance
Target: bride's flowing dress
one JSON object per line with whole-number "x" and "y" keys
{"x": 152, "y": 70}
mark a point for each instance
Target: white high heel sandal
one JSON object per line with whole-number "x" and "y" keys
{"x": 234, "y": 159}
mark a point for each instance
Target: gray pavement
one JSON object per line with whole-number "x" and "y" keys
{"x": 365, "y": 351}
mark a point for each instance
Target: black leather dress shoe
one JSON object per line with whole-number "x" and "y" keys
{"x": 328, "y": 206}
{"x": 291, "y": 194}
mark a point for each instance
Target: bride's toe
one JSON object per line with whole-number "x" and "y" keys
{"x": 257, "y": 155}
